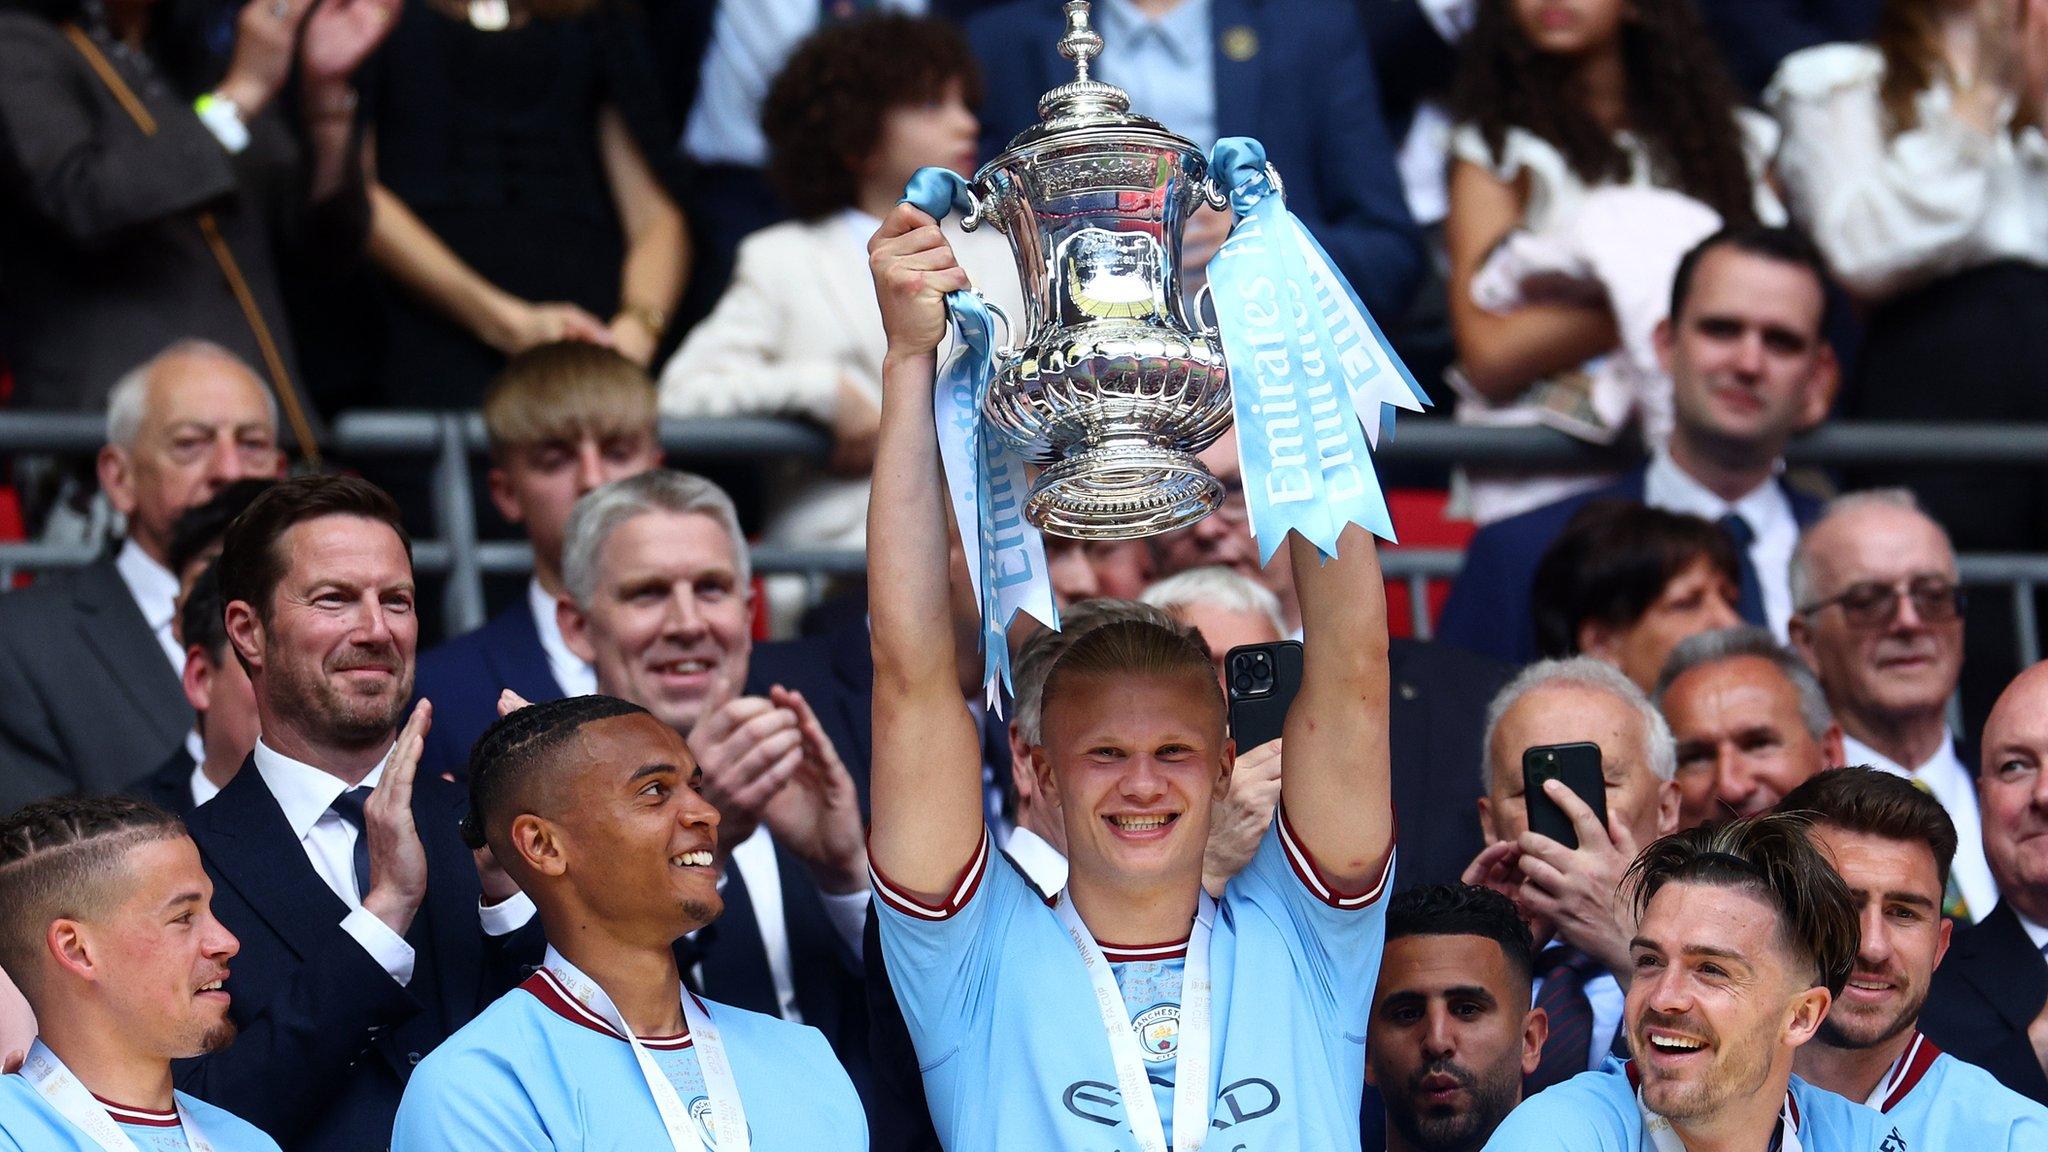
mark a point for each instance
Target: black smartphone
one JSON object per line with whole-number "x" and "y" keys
{"x": 1261, "y": 680}
{"x": 1578, "y": 766}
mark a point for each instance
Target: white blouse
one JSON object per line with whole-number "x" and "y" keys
{"x": 1893, "y": 213}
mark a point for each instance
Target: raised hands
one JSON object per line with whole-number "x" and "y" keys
{"x": 1240, "y": 816}
{"x": 266, "y": 34}
{"x": 816, "y": 813}
{"x": 748, "y": 748}
{"x": 340, "y": 35}
{"x": 1573, "y": 893}
{"x": 914, "y": 268}
{"x": 398, "y": 861}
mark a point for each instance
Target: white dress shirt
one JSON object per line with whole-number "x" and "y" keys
{"x": 203, "y": 789}
{"x": 1041, "y": 863}
{"x": 1951, "y": 783}
{"x": 1166, "y": 63}
{"x": 1768, "y": 511}
{"x": 2038, "y": 933}
{"x": 750, "y": 42}
{"x": 307, "y": 795}
{"x": 755, "y": 859}
{"x": 575, "y": 676}
{"x": 155, "y": 589}
{"x": 1892, "y": 212}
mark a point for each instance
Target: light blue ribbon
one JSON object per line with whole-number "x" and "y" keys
{"x": 1313, "y": 380}
{"x": 985, "y": 478}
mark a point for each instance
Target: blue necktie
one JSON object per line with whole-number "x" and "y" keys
{"x": 1750, "y": 605}
{"x": 1567, "y": 1051}
{"x": 349, "y": 806}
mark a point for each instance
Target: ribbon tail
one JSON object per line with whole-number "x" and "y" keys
{"x": 1381, "y": 384}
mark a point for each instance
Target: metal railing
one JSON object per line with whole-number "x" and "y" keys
{"x": 455, "y": 440}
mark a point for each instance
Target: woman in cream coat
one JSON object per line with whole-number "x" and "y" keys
{"x": 858, "y": 109}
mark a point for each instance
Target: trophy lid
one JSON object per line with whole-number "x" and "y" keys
{"x": 1085, "y": 103}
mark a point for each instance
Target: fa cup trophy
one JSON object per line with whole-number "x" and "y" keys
{"x": 1117, "y": 381}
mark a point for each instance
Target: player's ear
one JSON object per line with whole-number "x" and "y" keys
{"x": 1041, "y": 770}
{"x": 1535, "y": 1030}
{"x": 538, "y": 845}
{"x": 1229, "y": 759}
{"x": 1808, "y": 1009}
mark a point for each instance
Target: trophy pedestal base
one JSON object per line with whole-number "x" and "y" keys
{"x": 1122, "y": 493}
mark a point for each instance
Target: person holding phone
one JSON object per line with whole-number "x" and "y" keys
{"x": 1202, "y": 1000}
{"x": 1603, "y": 760}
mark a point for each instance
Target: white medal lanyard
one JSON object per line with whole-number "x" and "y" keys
{"x": 1191, "y": 1069}
{"x": 1658, "y": 1133}
{"x": 728, "y": 1116}
{"x": 69, "y": 1097}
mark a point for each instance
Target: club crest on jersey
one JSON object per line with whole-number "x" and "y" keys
{"x": 1158, "y": 1030}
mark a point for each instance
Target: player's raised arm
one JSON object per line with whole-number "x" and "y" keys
{"x": 1336, "y": 790}
{"x": 926, "y": 792}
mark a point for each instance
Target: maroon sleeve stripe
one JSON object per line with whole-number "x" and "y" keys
{"x": 962, "y": 892}
{"x": 1311, "y": 874}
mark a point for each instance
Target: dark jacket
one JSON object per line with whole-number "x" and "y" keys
{"x": 1990, "y": 986}
{"x": 88, "y": 703}
{"x": 327, "y": 1038}
{"x": 1305, "y": 89}
{"x": 464, "y": 676}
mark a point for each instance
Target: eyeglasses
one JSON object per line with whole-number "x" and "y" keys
{"x": 1874, "y": 604}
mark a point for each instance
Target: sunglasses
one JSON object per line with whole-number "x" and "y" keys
{"x": 1874, "y": 604}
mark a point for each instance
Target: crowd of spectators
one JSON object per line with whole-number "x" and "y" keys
{"x": 1690, "y": 230}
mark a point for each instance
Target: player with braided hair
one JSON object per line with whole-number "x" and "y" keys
{"x": 105, "y": 923}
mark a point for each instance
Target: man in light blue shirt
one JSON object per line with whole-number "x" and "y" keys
{"x": 1892, "y": 845}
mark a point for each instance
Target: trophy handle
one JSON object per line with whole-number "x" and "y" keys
{"x": 1005, "y": 349}
{"x": 1218, "y": 197}
{"x": 1208, "y": 327}
{"x": 977, "y": 200}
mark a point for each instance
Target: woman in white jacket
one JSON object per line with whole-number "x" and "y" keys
{"x": 858, "y": 109}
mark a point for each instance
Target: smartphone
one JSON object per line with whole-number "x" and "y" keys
{"x": 1261, "y": 680}
{"x": 1578, "y": 765}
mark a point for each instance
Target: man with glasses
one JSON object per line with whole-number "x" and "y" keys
{"x": 1880, "y": 618}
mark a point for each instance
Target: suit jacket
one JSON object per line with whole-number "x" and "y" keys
{"x": 1989, "y": 987}
{"x": 464, "y": 676}
{"x": 1489, "y": 611}
{"x": 88, "y": 703}
{"x": 1436, "y": 719}
{"x": 327, "y": 1037}
{"x": 1306, "y": 90}
{"x": 170, "y": 786}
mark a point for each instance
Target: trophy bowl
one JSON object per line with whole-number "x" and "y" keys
{"x": 1116, "y": 384}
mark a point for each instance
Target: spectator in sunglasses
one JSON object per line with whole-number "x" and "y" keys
{"x": 1879, "y": 615}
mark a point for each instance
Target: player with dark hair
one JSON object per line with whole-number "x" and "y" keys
{"x": 1452, "y": 1030}
{"x": 591, "y": 804}
{"x": 1032, "y": 1028}
{"x": 1745, "y": 938}
{"x": 1893, "y": 844}
{"x": 106, "y": 925}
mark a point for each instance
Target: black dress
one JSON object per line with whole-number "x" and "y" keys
{"x": 491, "y": 138}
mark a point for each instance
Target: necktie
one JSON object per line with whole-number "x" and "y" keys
{"x": 1952, "y": 903}
{"x": 1750, "y": 605}
{"x": 349, "y": 806}
{"x": 1564, "y": 970}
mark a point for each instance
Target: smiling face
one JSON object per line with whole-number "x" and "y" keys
{"x": 1718, "y": 1003}
{"x": 667, "y": 625}
{"x": 332, "y": 658}
{"x": 1897, "y": 889}
{"x": 1748, "y": 364}
{"x": 1132, "y": 762}
{"x": 629, "y": 832}
{"x": 1699, "y": 599}
{"x": 1452, "y": 1036}
{"x": 1742, "y": 743}
{"x": 1880, "y": 674}
{"x": 2012, "y": 793}
{"x": 1567, "y": 714}
{"x": 160, "y": 956}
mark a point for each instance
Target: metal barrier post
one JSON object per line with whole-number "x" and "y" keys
{"x": 2026, "y": 631}
{"x": 455, "y": 527}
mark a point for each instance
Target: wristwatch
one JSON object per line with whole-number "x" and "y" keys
{"x": 223, "y": 118}
{"x": 647, "y": 316}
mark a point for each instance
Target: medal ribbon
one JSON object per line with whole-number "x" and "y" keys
{"x": 1658, "y": 1133}
{"x": 1191, "y": 1068}
{"x": 728, "y": 1116}
{"x": 986, "y": 479}
{"x": 1313, "y": 381}
{"x": 58, "y": 1085}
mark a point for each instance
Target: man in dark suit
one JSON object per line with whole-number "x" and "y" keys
{"x": 1988, "y": 1004}
{"x": 1750, "y": 368}
{"x": 367, "y": 933}
{"x": 562, "y": 420}
{"x": 658, "y": 602}
{"x": 1292, "y": 73}
{"x": 89, "y": 692}
{"x": 218, "y": 688}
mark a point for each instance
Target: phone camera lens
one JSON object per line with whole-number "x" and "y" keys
{"x": 1243, "y": 682}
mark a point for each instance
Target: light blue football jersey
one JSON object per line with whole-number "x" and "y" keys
{"x": 1597, "y": 1112}
{"x": 1938, "y": 1101}
{"x": 1010, "y": 1040}
{"x": 538, "y": 1071}
{"x": 29, "y": 1124}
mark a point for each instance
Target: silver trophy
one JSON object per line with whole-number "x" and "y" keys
{"x": 1118, "y": 383}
